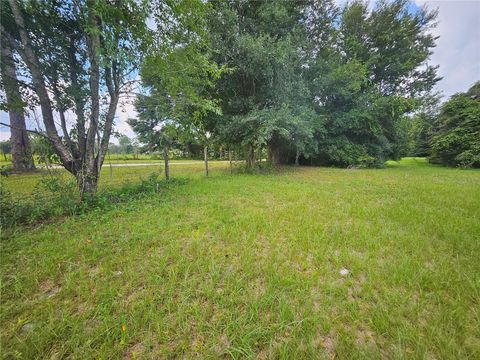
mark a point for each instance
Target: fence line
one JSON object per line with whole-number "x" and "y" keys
{"x": 29, "y": 186}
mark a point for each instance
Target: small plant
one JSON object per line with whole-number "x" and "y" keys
{"x": 369, "y": 162}
{"x": 5, "y": 170}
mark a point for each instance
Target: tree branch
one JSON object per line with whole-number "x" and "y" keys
{"x": 33, "y": 63}
{"x": 31, "y": 131}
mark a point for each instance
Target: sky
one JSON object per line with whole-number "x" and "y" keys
{"x": 457, "y": 53}
{"x": 458, "y": 48}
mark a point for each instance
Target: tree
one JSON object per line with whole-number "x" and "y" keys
{"x": 178, "y": 76}
{"x": 157, "y": 131}
{"x": 375, "y": 74}
{"x": 339, "y": 80}
{"x": 22, "y": 158}
{"x": 456, "y": 138}
{"x": 421, "y": 126}
{"x": 266, "y": 45}
{"x": 301, "y": 79}
{"x": 80, "y": 56}
{"x": 126, "y": 145}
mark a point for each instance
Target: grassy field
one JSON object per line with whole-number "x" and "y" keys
{"x": 115, "y": 176}
{"x": 303, "y": 263}
{"x": 113, "y": 159}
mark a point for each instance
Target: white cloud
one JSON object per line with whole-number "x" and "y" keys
{"x": 458, "y": 48}
{"x": 124, "y": 112}
{"x": 4, "y": 130}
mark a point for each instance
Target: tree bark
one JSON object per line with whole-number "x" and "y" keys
{"x": 87, "y": 184}
{"x": 78, "y": 99}
{"x": 250, "y": 156}
{"x": 205, "y": 155}
{"x": 93, "y": 46}
{"x": 167, "y": 167}
{"x": 297, "y": 156}
{"x": 22, "y": 159}
{"x": 30, "y": 58}
{"x": 107, "y": 130}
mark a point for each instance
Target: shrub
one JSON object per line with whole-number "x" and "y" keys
{"x": 369, "y": 162}
{"x": 5, "y": 170}
{"x": 456, "y": 141}
{"x": 469, "y": 158}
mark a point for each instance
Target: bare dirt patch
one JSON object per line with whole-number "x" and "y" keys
{"x": 327, "y": 342}
{"x": 222, "y": 345}
{"x": 365, "y": 336}
{"x": 135, "y": 352}
{"x": 49, "y": 288}
{"x": 94, "y": 271}
{"x": 92, "y": 324}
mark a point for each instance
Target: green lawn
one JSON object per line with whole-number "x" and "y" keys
{"x": 248, "y": 266}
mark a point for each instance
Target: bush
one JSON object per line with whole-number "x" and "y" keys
{"x": 456, "y": 141}
{"x": 469, "y": 158}
{"x": 5, "y": 170}
{"x": 52, "y": 197}
{"x": 344, "y": 153}
{"x": 369, "y": 162}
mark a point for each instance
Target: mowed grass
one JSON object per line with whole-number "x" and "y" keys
{"x": 248, "y": 266}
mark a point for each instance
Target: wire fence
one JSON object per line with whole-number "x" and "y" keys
{"x": 113, "y": 175}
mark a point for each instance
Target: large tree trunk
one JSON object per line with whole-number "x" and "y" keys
{"x": 87, "y": 183}
{"x": 22, "y": 159}
{"x": 205, "y": 155}
{"x": 38, "y": 82}
{"x": 93, "y": 46}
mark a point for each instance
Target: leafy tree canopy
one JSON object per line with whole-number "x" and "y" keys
{"x": 456, "y": 139}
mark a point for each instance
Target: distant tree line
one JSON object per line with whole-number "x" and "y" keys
{"x": 304, "y": 82}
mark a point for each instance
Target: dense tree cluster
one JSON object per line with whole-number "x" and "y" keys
{"x": 303, "y": 80}
{"x": 300, "y": 81}
{"x": 455, "y": 134}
